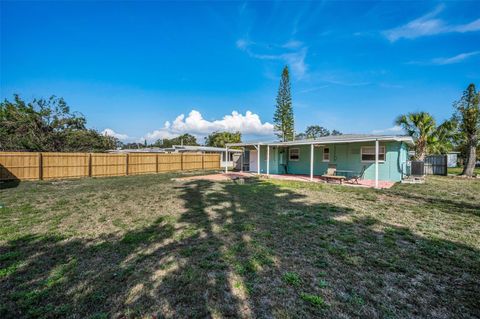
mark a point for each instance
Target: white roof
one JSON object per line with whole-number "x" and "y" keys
{"x": 334, "y": 139}
{"x": 192, "y": 148}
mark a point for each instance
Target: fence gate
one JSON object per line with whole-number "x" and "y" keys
{"x": 436, "y": 165}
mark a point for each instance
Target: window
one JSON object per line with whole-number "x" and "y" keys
{"x": 368, "y": 153}
{"x": 326, "y": 154}
{"x": 294, "y": 154}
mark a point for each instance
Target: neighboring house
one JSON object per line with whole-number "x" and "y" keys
{"x": 233, "y": 159}
{"x": 452, "y": 159}
{"x": 350, "y": 154}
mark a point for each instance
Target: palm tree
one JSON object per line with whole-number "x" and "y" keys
{"x": 423, "y": 128}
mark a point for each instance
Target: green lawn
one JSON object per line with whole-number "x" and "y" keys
{"x": 459, "y": 170}
{"x": 144, "y": 246}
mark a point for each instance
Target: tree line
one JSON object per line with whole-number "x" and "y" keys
{"x": 47, "y": 125}
{"x": 215, "y": 139}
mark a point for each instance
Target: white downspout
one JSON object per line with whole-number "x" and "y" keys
{"x": 311, "y": 162}
{"x": 268, "y": 160}
{"x": 377, "y": 150}
{"x": 258, "y": 159}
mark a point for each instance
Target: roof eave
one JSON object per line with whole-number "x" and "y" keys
{"x": 406, "y": 139}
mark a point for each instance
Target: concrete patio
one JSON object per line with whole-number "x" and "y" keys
{"x": 289, "y": 177}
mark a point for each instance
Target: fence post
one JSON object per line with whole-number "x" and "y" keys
{"x": 126, "y": 164}
{"x": 203, "y": 161}
{"x": 156, "y": 163}
{"x": 89, "y": 164}
{"x": 181, "y": 161}
{"x": 40, "y": 166}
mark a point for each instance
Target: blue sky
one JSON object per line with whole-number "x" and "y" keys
{"x": 130, "y": 67}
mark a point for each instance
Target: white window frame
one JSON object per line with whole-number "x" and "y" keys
{"x": 290, "y": 154}
{"x": 381, "y": 150}
{"x": 323, "y": 155}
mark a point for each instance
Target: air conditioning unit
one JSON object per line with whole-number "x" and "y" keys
{"x": 418, "y": 168}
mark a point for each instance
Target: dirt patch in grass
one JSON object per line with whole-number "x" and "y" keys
{"x": 142, "y": 246}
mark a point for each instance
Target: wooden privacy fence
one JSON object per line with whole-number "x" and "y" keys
{"x": 436, "y": 165}
{"x": 32, "y": 166}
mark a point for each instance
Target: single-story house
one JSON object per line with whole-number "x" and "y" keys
{"x": 376, "y": 157}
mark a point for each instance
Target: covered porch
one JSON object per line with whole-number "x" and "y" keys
{"x": 372, "y": 161}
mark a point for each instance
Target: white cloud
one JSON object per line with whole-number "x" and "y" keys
{"x": 242, "y": 44}
{"x": 248, "y": 124}
{"x": 292, "y": 44}
{"x": 454, "y": 59}
{"x": 394, "y": 130}
{"x": 429, "y": 25}
{"x": 160, "y": 134}
{"x": 294, "y": 57}
{"x": 110, "y": 132}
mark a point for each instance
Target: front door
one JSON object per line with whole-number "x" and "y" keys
{"x": 253, "y": 161}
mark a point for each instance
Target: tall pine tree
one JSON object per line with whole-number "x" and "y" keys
{"x": 283, "y": 117}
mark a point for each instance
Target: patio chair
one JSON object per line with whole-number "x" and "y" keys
{"x": 355, "y": 178}
{"x": 331, "y": 174}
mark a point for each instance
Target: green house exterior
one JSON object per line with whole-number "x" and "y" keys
{"x": 344, "y": 153}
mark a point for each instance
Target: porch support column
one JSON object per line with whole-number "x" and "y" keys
{"x": 226, "y": 159}
{"x": 258, "y": 159}
{"x": 377, "y": 150}
{"x": 311, "y": 162}
{"x": 241, "y": 159}
{"x": 268, "y": 159}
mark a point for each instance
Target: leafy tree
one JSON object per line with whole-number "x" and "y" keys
{"x": 335, "y": 132}
{"x": 468, "y": 117}
{"x": 185, "y": 139}
{"x": 428, "y": 137}
{"x": 283, "y": 117}
{"x": 316, "y": 131}
{"x": 130, "y": 146}
{"x": 88, "y": 140}
{"x": 47, "y": 125}
{"x": 442, "y": 141}
{"x": 301, "y": 136}
{"x": 219, "y": 139}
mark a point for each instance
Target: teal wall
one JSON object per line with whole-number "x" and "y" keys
{"x": 274, "y": 160}
{"x": 344, "y": 156}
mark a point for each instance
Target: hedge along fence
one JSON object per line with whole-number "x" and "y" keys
{"x": 34, "y": 166}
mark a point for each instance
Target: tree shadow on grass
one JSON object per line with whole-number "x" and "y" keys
{"x": 231, "y": 254}
{"x": 12, "y": 183}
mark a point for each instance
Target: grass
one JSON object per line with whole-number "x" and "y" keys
{"x": 144, "y": 246}
{"x": 292, "y": 278}
{"x": 459, "y": 170}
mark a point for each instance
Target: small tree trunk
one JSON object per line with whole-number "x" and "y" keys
{"x": 420, "y": 150}
{"x": 471, "y": 159}
{"x": 421, "y": 157}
